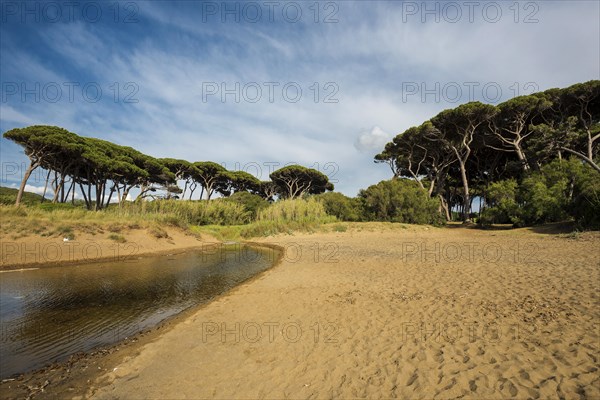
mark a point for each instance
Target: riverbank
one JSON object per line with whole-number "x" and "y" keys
{"x": 112, "y": 243}
{"x": 378, "y": 311}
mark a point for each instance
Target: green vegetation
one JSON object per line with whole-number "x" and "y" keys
{"x": 342, "y": 207}
{"x": 117, "y": 238}
{"x": 532, "y": 159}
{"x": 8, "y": 196}
{"x": 557, "y": 191}
{"x": 252, "y": 203}
{"x": 399, "y": 200}
{"x": 100, "y": 169}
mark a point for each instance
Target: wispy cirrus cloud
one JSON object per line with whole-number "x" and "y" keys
{"x": 362, "y": 63}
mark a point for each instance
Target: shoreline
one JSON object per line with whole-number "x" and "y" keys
{"x": 54, "y": 252}
{"x": 71, "y": 376}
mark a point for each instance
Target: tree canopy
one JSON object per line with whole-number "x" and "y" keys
{"x": 461, "y": 152}
{"x": 99, "y": 169}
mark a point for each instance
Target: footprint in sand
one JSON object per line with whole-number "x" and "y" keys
{"x": 439, "y": 356}
{"x": 472, "y": 386}
{"x": 413, "y": 378}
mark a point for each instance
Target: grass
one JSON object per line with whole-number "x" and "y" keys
{"x": 66, "y": 232}
{"x": 340, "y": 228}
{"x": 8, "y": 196}
{"x": 158, "y": 232}
{"x": 218, "y": 218}
{"x": 117, "y": 238}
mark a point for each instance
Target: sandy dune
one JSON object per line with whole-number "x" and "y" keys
{"x": 372, "y": 314}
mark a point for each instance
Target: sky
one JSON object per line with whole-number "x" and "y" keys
{"x": 258, "y": 85}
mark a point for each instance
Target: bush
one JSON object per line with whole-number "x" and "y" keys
{"x": 586, "y": 201}
{"x": 342, "y": 207}
{"x": 561, "y": 190}
{"x": 400, "y": 200}
{"x": 503, "y": 208}
{"x": 252, "y": 203}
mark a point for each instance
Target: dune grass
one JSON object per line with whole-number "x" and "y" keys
{"x": 222, "y": 219}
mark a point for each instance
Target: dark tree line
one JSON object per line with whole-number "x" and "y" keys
{"x": 460, "y": 152}
{"x": 101, "y": 170}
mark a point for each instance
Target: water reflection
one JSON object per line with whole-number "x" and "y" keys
{"x": 48, "y": 314}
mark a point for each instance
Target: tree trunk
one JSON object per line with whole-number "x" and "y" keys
{"x": 444, "y": 206}
{"x": 112, "y": 190}
{"x": 32, "y": 166}
{"x": 85, "y": 198}
{"x": 45, "y": 187}
{"x": 466, "y": 198}
{"x": 72, "y": 187}
{"x": 184, "y": 190}
{"x": 62, "y": 188}
{"x": 522, "y": 157}
{"x": 56, "y": 187}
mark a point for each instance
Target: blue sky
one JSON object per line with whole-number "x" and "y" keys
{"x": 366, "y": 71}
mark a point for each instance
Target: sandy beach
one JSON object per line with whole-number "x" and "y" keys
{"x": 382, "y": 311}
{"x": 392, "y": 313}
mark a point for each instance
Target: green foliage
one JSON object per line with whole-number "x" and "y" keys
{"x": 502, "y": 200}
{"x": 586, "y": 203}
{"x": 243, "y": 181}
{"x": 212, "y": 177}
{"x": 545, "y": 200}
{"x": 9, "y": 195}
{"x": 253, "y": 203}
{"x": 295, "y": 181}
{"x": 183, "y": 213}
{"x": 66, "y": 231}
{"x": 462, "y": 152}
{"x": 559, "y": 191}
{"x": 57, "y": 206}
{"x": 342, "y": 207}
{"x": 399, "y": 200}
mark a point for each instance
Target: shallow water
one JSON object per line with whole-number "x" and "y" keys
{"x": 49, "y": 314}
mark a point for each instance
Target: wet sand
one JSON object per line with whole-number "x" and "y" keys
{"x": 378, "y": 311}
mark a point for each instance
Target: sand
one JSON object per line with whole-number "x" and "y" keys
{"x": 381, "y": 312}
{"x": 377, "y": 311}
{"x": 35, "y": 251}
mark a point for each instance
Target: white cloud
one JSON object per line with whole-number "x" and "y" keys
{"x": 372, "y": 141}
{"x": 37, "y": 190}
{"x": 368, "y": 55}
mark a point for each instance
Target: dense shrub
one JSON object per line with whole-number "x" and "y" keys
{"x": 253, "y": 203}
{"x": 400, "y": 200}
{"x": 561, "y": 190}
{"x": 342, "y": 207}
{"x": 502, "y": 204}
